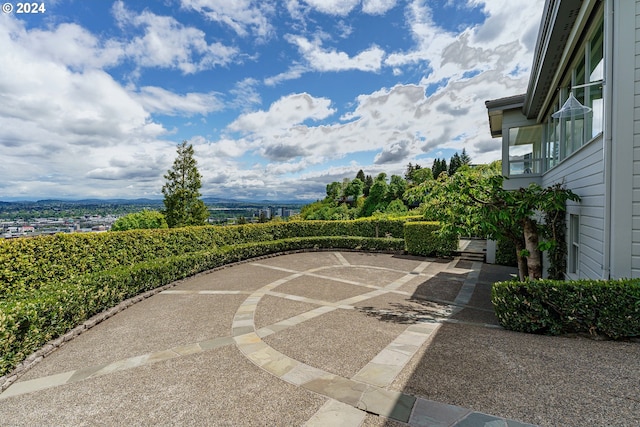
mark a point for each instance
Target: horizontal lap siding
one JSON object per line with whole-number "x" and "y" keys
{"x": 635, "y": 242}
{"x": 583, "y": 174}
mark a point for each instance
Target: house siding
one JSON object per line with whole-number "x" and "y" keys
{"x": 583, "y": 173}
{"x": 635, "y": 234}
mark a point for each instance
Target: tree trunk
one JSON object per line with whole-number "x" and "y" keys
{"x": 522, "y": 261}
{"x": 534, "y": 259}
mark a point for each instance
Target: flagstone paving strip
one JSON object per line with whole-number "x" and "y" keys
{"x": 154, "y": 324}
{"x": 336, "y": 414}
{"x": 383, "y": 369}
{"x": 55, "y": 380}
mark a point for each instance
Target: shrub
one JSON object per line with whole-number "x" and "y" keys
{"x": 609, "y": 308}
{"x": 140, "y": 220}
{"x": 506, "y": 253}
{"x": 426, "y": 239}
{"x": 28, "y": 264}
{"x": 29, "y": 320}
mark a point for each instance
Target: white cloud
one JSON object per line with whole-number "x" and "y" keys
{"x": 377, "y": 7}
{"x": 321, "y": 59}
{"x": 344, "y": 7}
{"x": 333, "y": 7}
{"x": 245, "y": 17}
{"x": 283, "y": 114}
{"x": 158, "y": 100}
{"x": 169, "y": 44}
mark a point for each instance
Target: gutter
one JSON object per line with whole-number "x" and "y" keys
{"x": 608, "y": 139}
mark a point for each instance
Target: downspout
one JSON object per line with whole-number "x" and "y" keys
{"x": 608, "y": 138}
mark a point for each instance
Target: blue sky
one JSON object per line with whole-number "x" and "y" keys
{"x": 278, "y": 97}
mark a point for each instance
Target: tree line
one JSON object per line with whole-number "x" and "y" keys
{"x": 364, "y": 195}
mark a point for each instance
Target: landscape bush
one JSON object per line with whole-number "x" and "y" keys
{"x": 426, "y": 239}
{"x": 599, "y": 308}
{"x": 29, "y": 317}
{"x": 28, "y": 264}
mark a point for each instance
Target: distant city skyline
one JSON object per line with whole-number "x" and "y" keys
{"x": 278, "y": 98}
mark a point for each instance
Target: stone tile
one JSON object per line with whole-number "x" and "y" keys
{"x": 249, "y": 338}
{"x": 476, "y": 419}
{"x": 121, "y": 365}
{"x": 376, "y": 374}
{"x": 281, "y": 366}
{"x": 338, "y": 388}
{"x": 215, "y": 343}
{"x": 302, "y": 374}
{"x": 243, "y": 330}
{"x": 188, "y": 349}
{"x": 427, "y": 413}
{"x": 336, "y": 414}
{"x": 390, "y": 404}
{"x": 36, "y": 384}
{"x": 161, "y": 355}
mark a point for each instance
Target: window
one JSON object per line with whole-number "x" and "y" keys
{"x": 585, "y": 79}
{"x": 574, "y": 244}
{"x": 525, "y": 155}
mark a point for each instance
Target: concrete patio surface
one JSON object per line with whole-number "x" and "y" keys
{"x": 327, "y": 338}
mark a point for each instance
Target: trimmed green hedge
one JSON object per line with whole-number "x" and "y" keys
{"x": 608, "y": 308}
{"x": 28, "y": 264}
{"x": 51, "y": 284}
{"x": 28, "y": 321}
{"x": 425, "y": 239}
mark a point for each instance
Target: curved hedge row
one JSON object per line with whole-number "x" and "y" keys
{"x": 608, "y": 308}
{"x": 29, "y": 320}
{"x": 28, "y": 264}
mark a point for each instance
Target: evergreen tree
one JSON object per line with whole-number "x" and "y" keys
{"x": 454, "y": 164}
{"x": 464, "y": 158}
{"x": 182, "y": 191}
{"x": 360, "y": 176}
{"x": 368, "y": 183}
{"x": 439, "y": 166}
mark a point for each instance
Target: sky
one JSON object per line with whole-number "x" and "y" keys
{"x": 277, "y": 97}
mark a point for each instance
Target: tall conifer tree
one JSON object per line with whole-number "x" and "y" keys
{"x": 182, "y": 191}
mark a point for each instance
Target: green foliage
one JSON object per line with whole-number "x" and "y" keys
{"x": 609, "y": 308}
{"x": 140, "y": 220}
{"x": 427, "y": 239}
{"x": 439, "y": 166}
{"x": 30, "y": 319}
{"x": 506, "y": 253}
{"x": 473, "y": 202}
{"x": 396, "y": 207}
{"x": 182, "y": 191}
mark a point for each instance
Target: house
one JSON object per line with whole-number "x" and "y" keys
{"x": 579, "y": 124}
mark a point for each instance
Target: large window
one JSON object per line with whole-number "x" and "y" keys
{"x": 584, "y": 81}
{"x": 536, "y": 149}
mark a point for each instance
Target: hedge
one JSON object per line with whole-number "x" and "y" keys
{"x": 596, "y": 307}
{"x": 28, "y": 321}
{"x": 425, "y": 239}
{"x": 28, "y": 264}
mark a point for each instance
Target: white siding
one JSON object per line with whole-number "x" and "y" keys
{"x": 635, "y": 239}
{"x": 583, "y": 174}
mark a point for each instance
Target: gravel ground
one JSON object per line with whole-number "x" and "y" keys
{"x": 321, "y": 289}
{"x": 542, "y": 380}
{"x": 230, "y": 391}
{"x": 550, "y": 381}
{"x": 242, "y": 277}
{"x": 364, "y": 275}
{"x": 327, "y": 342}
{"x": 273, "y": 309}
{"x": 155, "y": 324}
